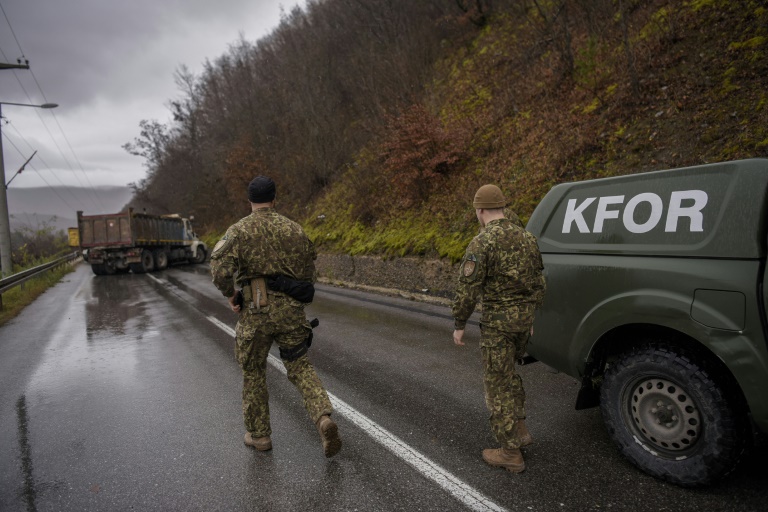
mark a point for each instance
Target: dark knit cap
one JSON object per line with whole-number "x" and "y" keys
{"x": 261, "y": 190}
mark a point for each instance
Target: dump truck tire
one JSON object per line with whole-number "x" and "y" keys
{"x": 147, "y": 263}
{"x": 161, "y": 260}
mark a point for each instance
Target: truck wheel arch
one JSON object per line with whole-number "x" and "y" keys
{"x": 627, "y": 309}
{"x": 627, "y": 337}
{"x": 199, "y": 252}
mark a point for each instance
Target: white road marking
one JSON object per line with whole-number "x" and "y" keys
{"x": 164, "y": 283}
{"x": 462, "y": 491}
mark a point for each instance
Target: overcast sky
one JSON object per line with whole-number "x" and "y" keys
{"x": 108, "y": 64}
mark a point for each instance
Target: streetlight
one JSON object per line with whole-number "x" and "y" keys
{"x": 6, "y": 265}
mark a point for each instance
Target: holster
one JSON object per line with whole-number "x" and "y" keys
{"x": 259, "y": 291}
{"x": 255, "y": 292}
{"x": 293, "y": 353}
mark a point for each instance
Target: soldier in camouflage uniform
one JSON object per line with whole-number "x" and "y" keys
{"x": 266, "y": 243}
{"x": 503, "y": 265}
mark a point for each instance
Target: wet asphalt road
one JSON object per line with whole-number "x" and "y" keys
{"x": 122, "y": 393}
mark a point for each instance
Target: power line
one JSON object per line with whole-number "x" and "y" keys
{"x": 41, "y": 176}
{"x": 66, "y": 139}
{"x": 40, "y": 157}
{"x": 74, "y": 173}
{"x": 12, "y": 32}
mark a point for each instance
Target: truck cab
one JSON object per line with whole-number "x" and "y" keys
{"x": 656, "y": 301}
{"x": 189, "y": 233}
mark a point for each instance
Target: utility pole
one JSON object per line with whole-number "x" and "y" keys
{"x": 6, "y": 263}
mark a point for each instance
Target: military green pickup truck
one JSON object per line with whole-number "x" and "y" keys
{"x": 656, "y": 301}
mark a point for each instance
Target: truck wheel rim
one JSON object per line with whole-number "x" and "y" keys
{"x": 663, "y": 414}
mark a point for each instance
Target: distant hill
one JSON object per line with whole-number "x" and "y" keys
{"x": 31, "y": 207}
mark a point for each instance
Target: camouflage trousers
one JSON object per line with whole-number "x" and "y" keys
{"x": 255, "y": 335}
{"x": 504, "y": 393}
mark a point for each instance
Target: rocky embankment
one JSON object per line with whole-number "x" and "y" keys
{"x": 414, "y": 278}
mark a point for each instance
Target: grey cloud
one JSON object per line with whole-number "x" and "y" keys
{"x": 109, "y": 64}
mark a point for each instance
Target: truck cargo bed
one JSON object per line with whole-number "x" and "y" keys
{"x": 127, "y": 229}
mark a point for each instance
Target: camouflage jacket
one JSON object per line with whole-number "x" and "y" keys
{"x": 503, "y": 265}
{"x": 261, "y": 244}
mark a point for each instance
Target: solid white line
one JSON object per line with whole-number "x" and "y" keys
{"x": 462, "y": 491}
{"x": 156, "y": 279}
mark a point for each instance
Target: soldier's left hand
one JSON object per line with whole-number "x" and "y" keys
{"x": 232, "y": 305}
{"x": 457, "y": 336}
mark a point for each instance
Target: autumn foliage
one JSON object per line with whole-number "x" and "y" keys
{"x": 379, "y": 120}
{"x": 419, "y": 153}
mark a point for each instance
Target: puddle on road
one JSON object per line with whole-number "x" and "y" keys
{"x": 93, "y": 358}
{"x": 99, "y": 343}
{"x": 113, "y": 304}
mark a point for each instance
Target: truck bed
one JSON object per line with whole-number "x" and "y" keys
{"x": 128, "y": 229}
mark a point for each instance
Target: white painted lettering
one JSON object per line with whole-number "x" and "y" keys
{"x": 603, "y": 213}
{"x": 693, "y": 212}
{"x": 575, "y": 213}
{"x": 656, "y": 210}
{"x": 682, "y": 203}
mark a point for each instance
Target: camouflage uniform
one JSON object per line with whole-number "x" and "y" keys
{"x": 266, "y": 243}
{"x": 503, "y": 264}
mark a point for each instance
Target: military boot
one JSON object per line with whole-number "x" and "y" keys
{"x": 510, "y": 459}
{"x": 522, "y": 433}
{"x": 260, "y": 443}
{"x": 329, "y": 433}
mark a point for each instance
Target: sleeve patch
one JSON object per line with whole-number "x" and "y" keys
{"x": 220, "y": 246}
{"x": 469, "y": 266}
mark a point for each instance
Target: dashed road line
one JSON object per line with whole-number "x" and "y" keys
{"x": 460, "y": 490}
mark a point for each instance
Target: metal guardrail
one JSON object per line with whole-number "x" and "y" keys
{"x": 24, "y": 276}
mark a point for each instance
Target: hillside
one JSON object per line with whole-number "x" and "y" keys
{"x": 379, "y": 120}
{"x": 499, "y": 112}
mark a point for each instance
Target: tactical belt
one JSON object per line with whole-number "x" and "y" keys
{"x": 255, "y": 289}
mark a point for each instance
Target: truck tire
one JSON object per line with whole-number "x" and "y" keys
{"x": 103, "y": 269}
{"x": 671, "y": 417}
{"x": 161, "y": 259}
{"x": 199, "y": 255}
{"x": 146, "y": 264}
